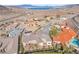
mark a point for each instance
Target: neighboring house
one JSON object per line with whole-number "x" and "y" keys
{"x": 72, "y": 23}
{"x": 32, "y": 42}
{"x": 49, "y": 43}
{"x": 15, "y": 32}
{"x": 41, "y": 44}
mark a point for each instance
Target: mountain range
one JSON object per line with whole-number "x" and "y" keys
{"x": 42, "y": 6}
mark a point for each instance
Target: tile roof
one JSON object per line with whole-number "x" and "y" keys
{"x": 65, "y": 35}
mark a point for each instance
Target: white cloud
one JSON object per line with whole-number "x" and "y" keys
{"x": 16, "y": 2}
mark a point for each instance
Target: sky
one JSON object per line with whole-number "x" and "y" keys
{"x": 38, "y": 2}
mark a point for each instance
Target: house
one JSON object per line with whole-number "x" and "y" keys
{"x": 65, "y": 35}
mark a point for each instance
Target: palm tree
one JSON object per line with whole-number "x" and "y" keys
{"x": 20, "y": 44}
{"x": 53, "y": 31}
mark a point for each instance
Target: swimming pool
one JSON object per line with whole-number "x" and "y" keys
{"x": 74, "y": 42}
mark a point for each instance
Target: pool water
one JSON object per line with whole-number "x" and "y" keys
{"x": 74, "y": 42}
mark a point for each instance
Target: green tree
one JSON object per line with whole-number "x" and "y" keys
{"x": 53, "y": 31}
